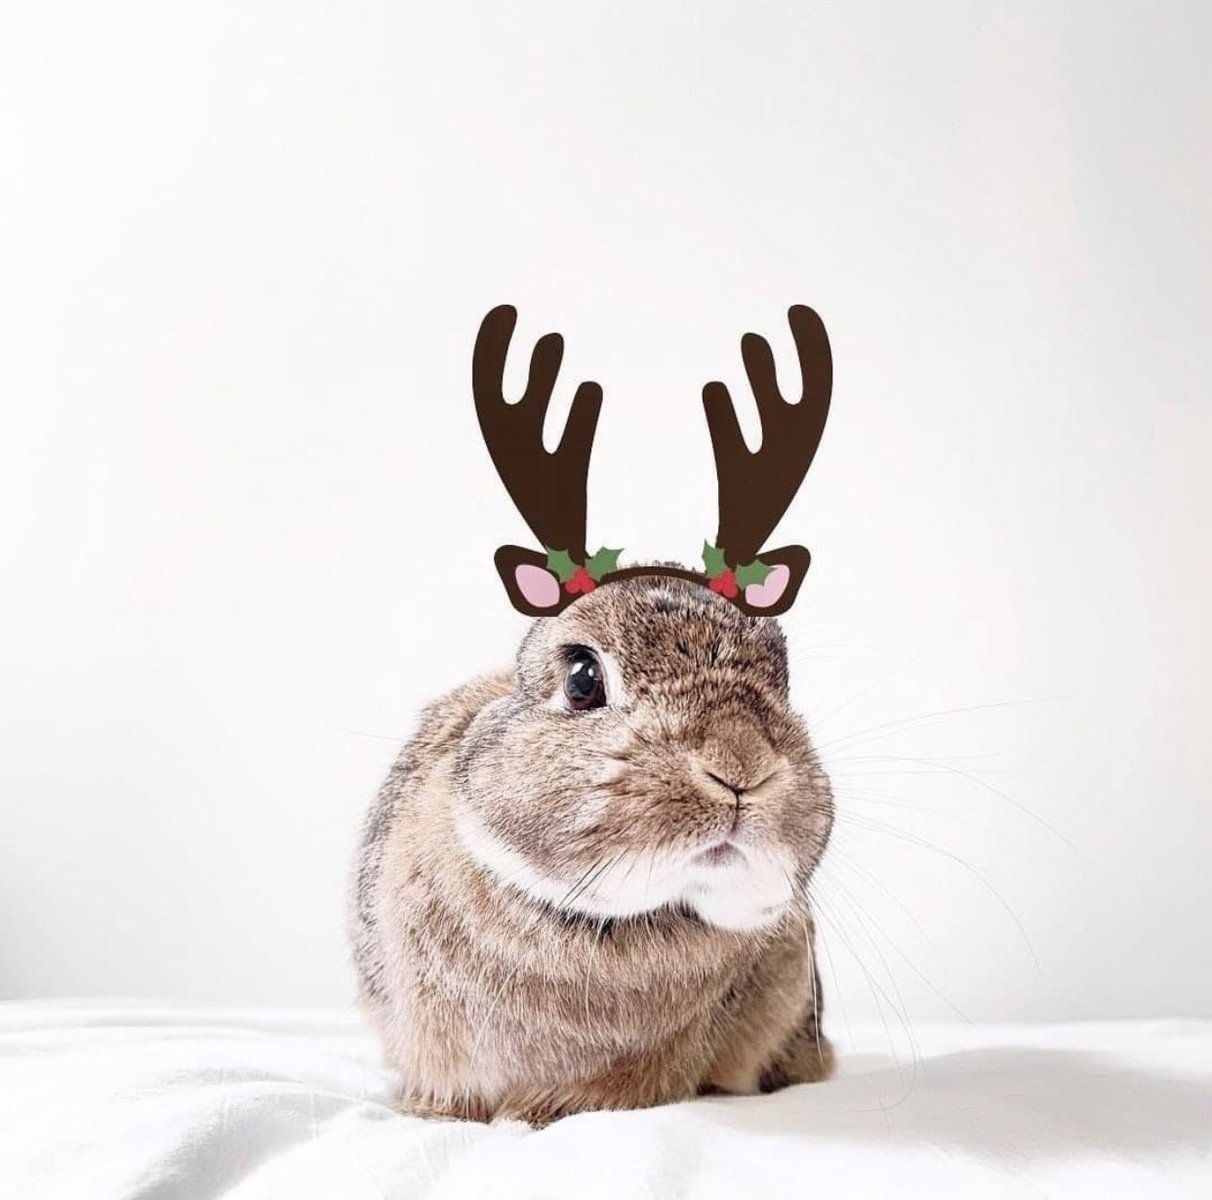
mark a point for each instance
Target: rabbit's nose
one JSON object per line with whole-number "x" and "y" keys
{"x": 736, "y": 778}
{"x": 735, "y": 789}
{"x": 740, "y": 764}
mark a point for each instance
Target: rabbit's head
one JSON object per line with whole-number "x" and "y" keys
{"x": 648, "y": 756}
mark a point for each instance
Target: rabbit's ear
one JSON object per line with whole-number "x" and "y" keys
{"x": 531, "y": 587}
{"x": 777, "y": 592}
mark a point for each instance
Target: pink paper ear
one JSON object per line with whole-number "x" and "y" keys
{"x": 766, "y": 595}
{"x": 539, "y": 588}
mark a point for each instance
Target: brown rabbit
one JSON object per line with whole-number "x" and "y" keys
{"x": 584, "y": 883}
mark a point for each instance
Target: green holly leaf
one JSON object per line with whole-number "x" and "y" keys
{"x": 560, "y": 563}
{"x": 602, "y": 562}
{"x": 713, "y": 560}
{"x": 754, "y": 572}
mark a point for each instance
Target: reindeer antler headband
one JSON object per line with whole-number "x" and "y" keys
{"x": 755, "y": 486}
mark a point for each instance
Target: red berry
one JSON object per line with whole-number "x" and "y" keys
{"x": 580, "y": 582}
{"x": 725, "y": 584}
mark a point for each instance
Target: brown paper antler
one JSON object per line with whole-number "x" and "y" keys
{"x": 548, "y": 488}
{"x": 756, "y": 486}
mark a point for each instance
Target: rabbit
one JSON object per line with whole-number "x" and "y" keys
{"x": 584, "y": 883}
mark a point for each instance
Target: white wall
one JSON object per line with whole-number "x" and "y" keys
{"x": 246, "y": 523}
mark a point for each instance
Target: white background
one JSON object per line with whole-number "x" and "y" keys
{"x": 246, "y": 523}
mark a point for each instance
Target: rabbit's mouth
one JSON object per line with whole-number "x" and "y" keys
{"x": 720, "y": 855}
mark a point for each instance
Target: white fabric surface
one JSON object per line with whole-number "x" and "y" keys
{"x": 108, "y": 1100}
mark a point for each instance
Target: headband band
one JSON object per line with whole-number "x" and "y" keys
{"x": 549, "y": 488}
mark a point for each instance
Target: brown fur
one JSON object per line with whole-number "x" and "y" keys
{"x": 493, "y": 999}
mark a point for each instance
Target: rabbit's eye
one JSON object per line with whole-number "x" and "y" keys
{"x": 584, "y": 684}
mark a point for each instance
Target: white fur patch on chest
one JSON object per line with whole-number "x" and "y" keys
{"x": 750, "y": 891}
